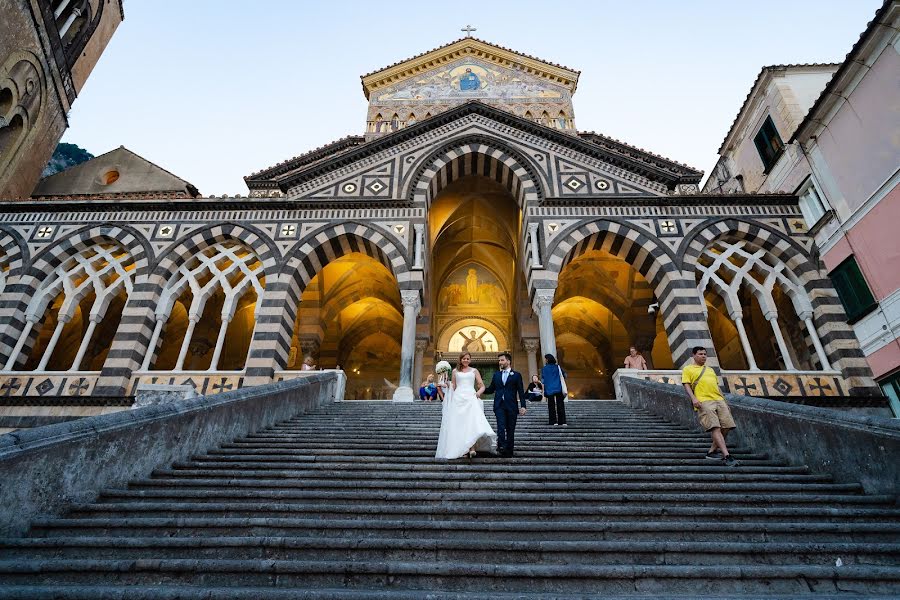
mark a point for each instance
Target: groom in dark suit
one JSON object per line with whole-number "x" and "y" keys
{"x": 506, "y": 386}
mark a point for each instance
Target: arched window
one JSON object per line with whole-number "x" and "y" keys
{"x": 395, "y": 122}
{"x": 20, "y": 103}
{"x": 72, "y": 17}
{"x": 741, "y": 283}
{"x": 76, "y": 311}
{"x": 529, "y": 116}
{"x": 209, "y": 307}
{"x": 545, "y": 118}
{"x": 411, "y": 119}
{"x": 561, "y": 120}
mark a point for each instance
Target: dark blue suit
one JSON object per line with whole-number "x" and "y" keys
{"x": 506, "y": 408}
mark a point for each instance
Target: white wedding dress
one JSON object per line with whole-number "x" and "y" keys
{"x": 463, "y": 423}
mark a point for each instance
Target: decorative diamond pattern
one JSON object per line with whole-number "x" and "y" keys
{"x": 44, "y": 386}
{"x": 376, "y": 186}
{"x": 783, "y": 387}
{"x": 574, "y": 184}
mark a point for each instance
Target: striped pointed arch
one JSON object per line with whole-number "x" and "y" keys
{"x": 779, "y": 246}
{"x": 476, "y": 155}
{"x": 185, "y": 248}
{"x": 80, "y": 240}
{"x": 13, "y": 255}
{"x": 681, "y": 310}
{"x": 648, "y": 257}
{"x": 307, "y": 257}
{"x": 829, "y": 318}
{"x": 275, "y": 324}
{"x": 44, "y": 264}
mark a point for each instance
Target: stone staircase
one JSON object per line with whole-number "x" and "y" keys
{"x": 348, "y": 502}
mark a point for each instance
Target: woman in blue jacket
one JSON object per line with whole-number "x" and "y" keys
{"x": 554, "y": 380}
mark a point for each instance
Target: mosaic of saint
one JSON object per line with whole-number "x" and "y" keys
{"x": 469, "y": 287}
{"x": 471, "y": 78}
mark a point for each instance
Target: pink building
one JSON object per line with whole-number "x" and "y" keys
{"x": 842, "y": 160}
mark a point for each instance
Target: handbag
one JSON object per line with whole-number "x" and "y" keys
{"x": 562, "y": 383}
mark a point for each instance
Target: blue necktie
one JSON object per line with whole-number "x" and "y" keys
{"x": 505, "y": 374}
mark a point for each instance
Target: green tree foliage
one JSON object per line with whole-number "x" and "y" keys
{"x": 65, "y": 156}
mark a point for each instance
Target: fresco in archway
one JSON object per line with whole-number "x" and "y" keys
{"x": 473, "y": 339}
{"x": 470, "y": 287}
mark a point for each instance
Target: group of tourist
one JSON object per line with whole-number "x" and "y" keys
{"x": 551, "y": 383}
{"x": 466, "y": 432}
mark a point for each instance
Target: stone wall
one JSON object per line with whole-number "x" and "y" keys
{"x": 44, "y": 469}
{"x": 851, "y": 448}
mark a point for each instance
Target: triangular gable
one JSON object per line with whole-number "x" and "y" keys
{"x": 119, "y": 171}
{"x": 569, "y": 167}
{"x": 474, "y": 48}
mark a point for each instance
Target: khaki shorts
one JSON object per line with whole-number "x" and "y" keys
{"x": 715, "y": 413}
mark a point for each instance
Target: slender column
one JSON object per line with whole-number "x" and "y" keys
{"x": 411, "y": 307}
{"x": 531, "y": 348}
{"x": 418, "y": 262}
{"x": 76, "y": 364}
{"x": 20, "y": 343}
{"x": 51, "y": 345}
{"x": 535, "y": 249}
{"x": 772, "y": 318}
{"x": 738, "y": 318}
{"x": 543, "y": 302}
{"x": 806, "y": 317}
{"x": 59, "y": 9}
{"x": 418, "y": 370}
{"x": 151, "y": 347}
{"x": 76, "y": 12}
{"x": 220, "y": 342}
{"x": 187, "y": 341}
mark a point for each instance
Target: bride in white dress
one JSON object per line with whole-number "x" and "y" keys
{"x": 464, "y": 428}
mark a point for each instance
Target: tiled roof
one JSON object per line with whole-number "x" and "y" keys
{"x": 306, "y": 159}
{"x": 652, "y": 166}
{"x": 762, "y": 72}
{"x": 613, "y": 144}
{"x": 849, "y": 60}
{"x": 119, "y": 196}
{"x": 473, "y": 39}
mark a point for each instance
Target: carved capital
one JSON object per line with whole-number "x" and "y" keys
{"x": 421, "y": 345}
{"x": 410, "y": 299}
{"x": 530, "y": 345}
{"x": 543, "y": 299}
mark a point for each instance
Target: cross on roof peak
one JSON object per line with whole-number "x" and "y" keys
{"x": 468, "y": 29}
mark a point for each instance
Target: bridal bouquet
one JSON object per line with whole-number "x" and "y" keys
{"x": 443, "y": 368}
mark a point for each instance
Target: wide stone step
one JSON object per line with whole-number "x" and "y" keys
{"x": 524, "y": 529}
{"x": 458, "y": 576}
{"x": 533, "y": 501}
{"x": 715, "y": 473}
{"x": 143, "y": 506}
{"x": 450, "y": 471}
{"x": 432, "y": 437}
{"x": 696, "y": 484}
{"x": 634, "y": 458}
{"x": 427, "y": 549}
{"x": 348, "y": 446}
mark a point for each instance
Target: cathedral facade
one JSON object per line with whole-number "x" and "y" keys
{"x": 469, "y": 215}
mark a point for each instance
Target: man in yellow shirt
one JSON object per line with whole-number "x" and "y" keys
{"x": 702, "y": 388}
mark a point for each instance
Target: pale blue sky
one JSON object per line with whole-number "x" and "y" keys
{"x": 214, "y": 90}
